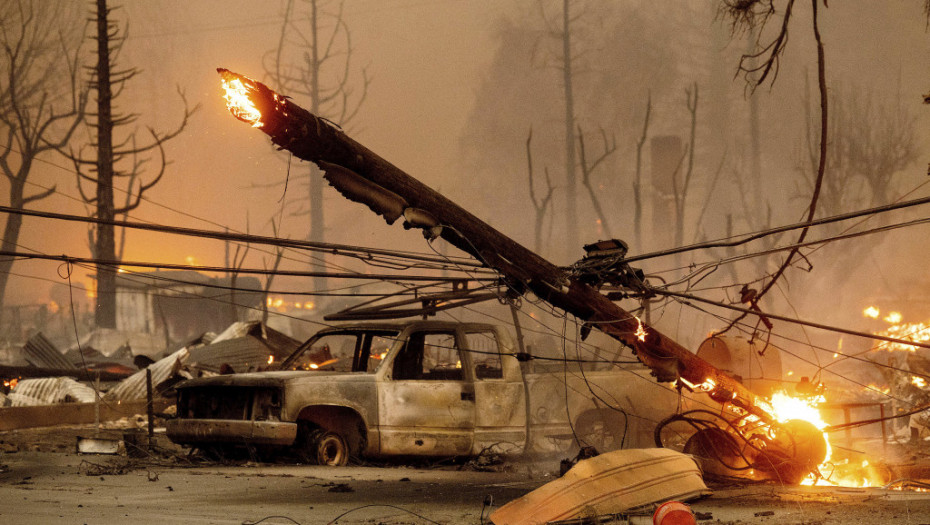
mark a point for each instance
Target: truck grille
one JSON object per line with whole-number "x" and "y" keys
{"x": 235, "y": 403}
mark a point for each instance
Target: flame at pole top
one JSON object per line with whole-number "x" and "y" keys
{"x": 237, "y": 89}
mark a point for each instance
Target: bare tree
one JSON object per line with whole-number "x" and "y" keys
{"x": 680, "y": 187}
{"x": 115, "y": 158}
{"x": 638, "y": 177}
{"x": 315, "y": 59}
{"x": 561, "y": 31}
{"x": 587, "y": 169}
{"x": 540, "y": 205}
{"x": 873, "y": 141}
{"x": 42, "y": 101}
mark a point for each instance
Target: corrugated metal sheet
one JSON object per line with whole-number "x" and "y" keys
{"x": 240, "y": 329}
{"x": 108, "y": 341}
{"x": 245, "y": 347}
{"x": 49, "y": 391}
{"x": 243, "y": 354}
{"x": 133, "y": 387}
{"x": 40, "y": 352}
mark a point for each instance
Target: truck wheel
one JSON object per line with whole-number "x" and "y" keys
{"x": 323, "y": 447}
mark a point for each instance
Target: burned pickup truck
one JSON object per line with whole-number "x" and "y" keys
{"x": 419, "y": 388}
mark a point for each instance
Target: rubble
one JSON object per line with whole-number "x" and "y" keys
{"x": 48, "y": 391}
{"x": 163, "y": 371}
{"x": 242, "y": 347}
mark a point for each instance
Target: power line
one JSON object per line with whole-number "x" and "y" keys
{"x": 816, "y": 242}
{"x": 255, "y": 271}
{"x": 791, "y": 320}
{"x": 314, "y": 260}
{"x": 745, "y": 238}
{"x": 335, "y": 249}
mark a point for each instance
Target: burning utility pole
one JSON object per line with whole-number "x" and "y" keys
{"x": 362, "y": 176}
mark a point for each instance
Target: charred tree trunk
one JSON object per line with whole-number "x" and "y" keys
{"x": 105, "y": 245}
{"x": 362, "y": 176}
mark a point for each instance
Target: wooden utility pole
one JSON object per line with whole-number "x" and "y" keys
{"x": 362, "y": 176}
{"x": 105, "y": 246}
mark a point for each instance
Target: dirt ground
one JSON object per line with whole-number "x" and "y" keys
{"x": 44, "y": 480}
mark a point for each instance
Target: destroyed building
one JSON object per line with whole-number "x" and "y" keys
{"x": 180, "y": 305}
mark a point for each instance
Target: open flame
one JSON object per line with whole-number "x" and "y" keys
{"x": 917, "y": 332}
{"x": 640, "y": 330}
{"x": 843, "y": 473}
{"x": 239, "y": 103}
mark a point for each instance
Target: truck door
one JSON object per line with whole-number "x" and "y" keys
{"x": 499, "y": 395}
{"x": 427, "y": 404}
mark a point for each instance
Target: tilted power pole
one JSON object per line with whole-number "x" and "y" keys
{"x": 362, "y": 176}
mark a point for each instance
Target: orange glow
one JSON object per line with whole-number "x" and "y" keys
{"x": 919, "y": 382}
{"x": 274, "y": 302}
{"x": 871, "y": 312}
{"x": 881, "y": 390}
{"x": 893, "y": 318}
{"x": 11, "y": 383}
{"x": 53, "y": 307}
{"x": 917, "y": 332}
{"x": 239, "y": 103}
{"x": 190, "y": 260}
{"x": 270, "y": 359}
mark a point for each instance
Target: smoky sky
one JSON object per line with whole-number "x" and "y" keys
{"x": 445, "y": 106}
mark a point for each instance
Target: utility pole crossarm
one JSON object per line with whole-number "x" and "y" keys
{"x": 362, "y": 176}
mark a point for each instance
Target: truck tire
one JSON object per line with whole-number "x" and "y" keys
{"x": 319, "y": 446}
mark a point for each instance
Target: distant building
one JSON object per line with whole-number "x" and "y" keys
{"x": 181, "y": 305}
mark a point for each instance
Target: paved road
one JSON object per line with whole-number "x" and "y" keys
{"x": 57, "y": 487}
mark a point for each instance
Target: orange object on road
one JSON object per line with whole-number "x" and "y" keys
{"x": 673, "y": 513}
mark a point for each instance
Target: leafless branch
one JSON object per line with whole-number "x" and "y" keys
{"x": 540, "y": 206}
{"x": 638, "y": 178}
{"x": 754, "y": 15}
{"x": 610, "y": 147}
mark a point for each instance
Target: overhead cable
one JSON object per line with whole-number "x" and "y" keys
{"x": 336, "y": 249}
{"x": 255, "y": 271}
{"x": 792, "y": 320}
{"x": 745, "y": 238}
